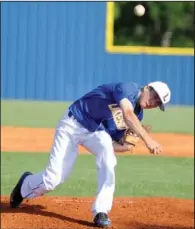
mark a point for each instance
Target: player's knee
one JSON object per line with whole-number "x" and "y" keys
{"x": 108, "y": 161}
{"x": 106, "y": 148}
{"x": 105, "y": 139}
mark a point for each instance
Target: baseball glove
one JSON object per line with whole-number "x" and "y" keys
{"x": 131, "y": 138}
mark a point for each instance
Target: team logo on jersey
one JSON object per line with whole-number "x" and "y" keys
{"x": 117, "y": 116}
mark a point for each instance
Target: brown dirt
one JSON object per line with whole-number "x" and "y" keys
{"x": 17, "y": 139}
{"x": 74, "y": 213}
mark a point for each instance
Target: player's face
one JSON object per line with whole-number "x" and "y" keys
{"x": 149, "y": 99}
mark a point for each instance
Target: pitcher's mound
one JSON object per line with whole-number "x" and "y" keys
{"x": 74, "y": 213}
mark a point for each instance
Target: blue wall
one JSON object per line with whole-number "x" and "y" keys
{"x": 56, "y": 51}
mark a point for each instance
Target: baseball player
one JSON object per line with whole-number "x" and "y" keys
{"x": 97, "y": 121}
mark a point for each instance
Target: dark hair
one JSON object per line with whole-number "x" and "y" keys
{"x": 149, "y": 88}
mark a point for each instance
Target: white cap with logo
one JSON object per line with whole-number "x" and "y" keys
{"x": 163, "y": 92}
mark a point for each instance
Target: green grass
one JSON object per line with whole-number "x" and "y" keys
{"x": 135, "y": 175}
{"x": 47, "y": 114}
{"x": 31, "y": 113}
{"x": 173, "y": 120}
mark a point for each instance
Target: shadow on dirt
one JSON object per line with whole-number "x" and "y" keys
{"x": 39, "y": 210}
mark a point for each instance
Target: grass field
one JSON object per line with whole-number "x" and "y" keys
{"x": 47, "y": 114}
{"x": 135, "y": 175}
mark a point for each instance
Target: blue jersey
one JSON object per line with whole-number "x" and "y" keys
{"x": 99, "y": 109}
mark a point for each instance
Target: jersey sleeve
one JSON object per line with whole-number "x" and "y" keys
{"x": 123, "y": 90}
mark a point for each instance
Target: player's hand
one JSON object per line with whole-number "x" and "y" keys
{"x": 154, "y": 147}
{"x": 129, "y": 147}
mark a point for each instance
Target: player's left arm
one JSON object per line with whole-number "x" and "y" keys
{"x": 122, "y": 148}
{"x": 126, "y": 140}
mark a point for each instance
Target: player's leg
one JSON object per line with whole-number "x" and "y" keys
{"x": 62, "y": 157}
{"x": 100, "y": 144}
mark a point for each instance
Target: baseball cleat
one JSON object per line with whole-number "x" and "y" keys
{"x": 16, "y": 197}
{"x": 102, "y": 220}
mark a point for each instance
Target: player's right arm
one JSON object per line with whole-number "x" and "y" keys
{"x": 131, "y": 119}
{"x": 133, "y": 123}
{"x": 121, "y": 93}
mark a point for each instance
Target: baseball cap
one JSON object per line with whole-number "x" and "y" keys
{"x": 163, "y": 92}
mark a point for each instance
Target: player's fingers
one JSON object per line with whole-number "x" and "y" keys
{"x": 158, "y": 149}
{"x": 155, "y": 151}
{"x": 152, "y": 151}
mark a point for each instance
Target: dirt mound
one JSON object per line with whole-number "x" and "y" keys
{"x": 74, "y": 213}
{"x": 17, "y": 139}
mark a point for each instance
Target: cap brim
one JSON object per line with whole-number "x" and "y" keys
{"x": 162, "y": 107}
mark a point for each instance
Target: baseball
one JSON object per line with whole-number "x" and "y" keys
{"x": 139, "y": 10}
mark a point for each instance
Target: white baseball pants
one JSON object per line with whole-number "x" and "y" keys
{"x": 69, "y": 134}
